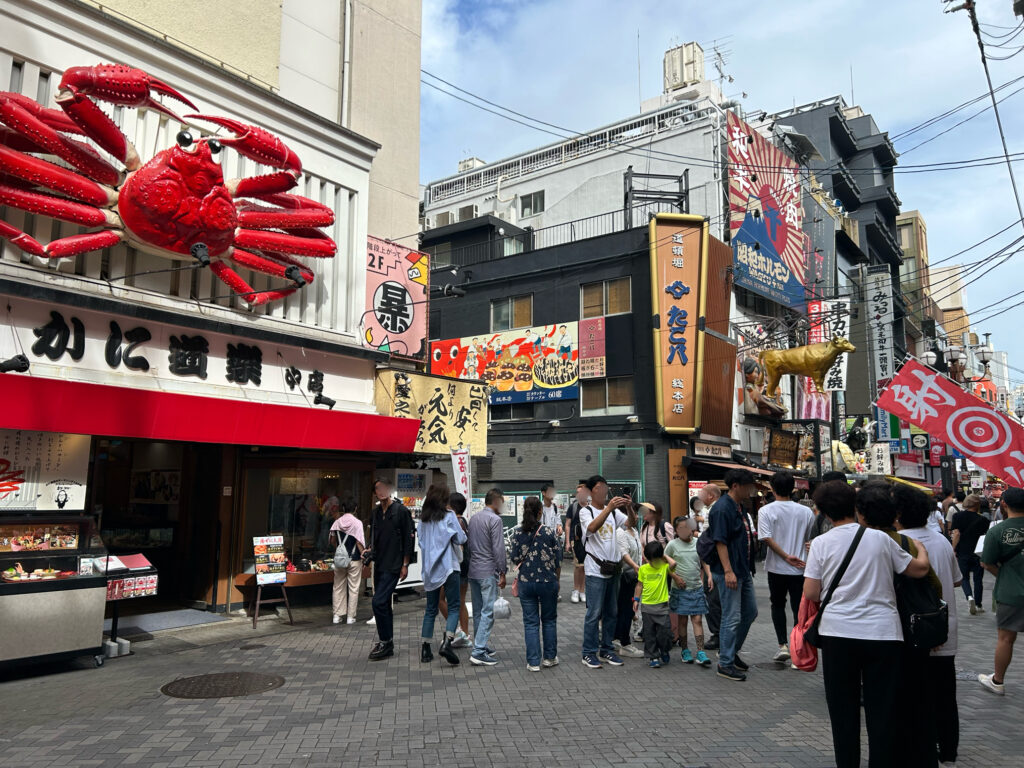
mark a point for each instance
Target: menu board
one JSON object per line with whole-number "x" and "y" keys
{"x": 37, "y": 538}
{"x": 43, "y": 470}
{"x": 271, "y": 561}
{"x": 127, "y": 587}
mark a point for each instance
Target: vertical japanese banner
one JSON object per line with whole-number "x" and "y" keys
{"x": 397, "y": 284}
{"x": 678, "y": 252}
{"x": 592, "y": 351}
{"x": 461, "y": 470}
{"x": 881, "y": 315}
{"x": 678, "y": 499}
{"x": 813, "y": 404}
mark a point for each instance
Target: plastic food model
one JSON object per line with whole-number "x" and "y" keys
{"x": 168, "y": 206}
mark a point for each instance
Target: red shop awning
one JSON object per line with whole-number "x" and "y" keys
{"x": 54, "y": 405}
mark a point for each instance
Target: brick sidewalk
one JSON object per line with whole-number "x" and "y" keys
{"x": 338, "y": 709}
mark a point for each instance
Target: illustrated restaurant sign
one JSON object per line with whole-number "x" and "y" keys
{"x": 941, "y": 408}
{"x": 527, "y": 365}
{"x": 43, "y": 471}
{"x": 395, "y": 319}
{"x": 452, "y": 414}
{"x": 678, "y": 252}
{"x": 765, "y": 217}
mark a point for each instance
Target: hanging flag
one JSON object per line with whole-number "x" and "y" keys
{"x": 971, "y": 426}
{"x": 461, "y": 470}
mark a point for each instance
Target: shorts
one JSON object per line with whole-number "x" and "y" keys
{"x": 1010, "y": 617}
{"x": 579, "y": 552}
{"x": 687, "y": 602}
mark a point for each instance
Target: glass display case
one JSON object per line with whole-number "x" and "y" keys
{"x": 53, "y": 601}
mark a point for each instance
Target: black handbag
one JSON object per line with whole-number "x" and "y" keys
{"x": 811, "y": 635}
{"x": 923, "y": 614}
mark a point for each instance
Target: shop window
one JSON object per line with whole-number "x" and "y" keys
{"x": 513, "y": 312}
{"x": 608, "y": 297}
{"x": 511, "y": 412}
{"x": 607, "y": 397}
{"x": 531, "y": 204}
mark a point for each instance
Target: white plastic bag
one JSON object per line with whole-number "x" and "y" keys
{"x": 502, "y": 609}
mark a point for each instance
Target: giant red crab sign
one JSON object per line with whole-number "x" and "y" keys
{"x": 174, "y": 204}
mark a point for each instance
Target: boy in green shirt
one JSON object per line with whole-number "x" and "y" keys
{"x": 1003, "y": 556}
{"x": 652, "y": 597}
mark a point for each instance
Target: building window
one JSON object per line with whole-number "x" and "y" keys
{"x": 511, "y": 412}
{"x": 531, "y": 204}
{"x": 513, "y": 312}
{"x": 609, "y": 297}
{"x": 905, "y": 236}
{"x": 607, "y": 397}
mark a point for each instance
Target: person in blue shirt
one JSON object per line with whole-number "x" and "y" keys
{"x": 439, "y": 534}
{"x": 731, "y": 572}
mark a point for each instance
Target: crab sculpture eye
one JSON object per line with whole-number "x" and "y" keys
{"x": 184, "y": 139}
{"x": 214, "y": 146}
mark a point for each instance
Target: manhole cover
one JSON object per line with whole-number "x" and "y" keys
{"x": 221, "y": 684}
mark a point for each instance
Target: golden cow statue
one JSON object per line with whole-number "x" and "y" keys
{"x": 812, "y": 361}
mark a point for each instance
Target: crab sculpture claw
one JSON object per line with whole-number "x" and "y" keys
{"x": 262, "y": 146}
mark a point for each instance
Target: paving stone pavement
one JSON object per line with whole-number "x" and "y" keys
{"x": 336, "y": 708}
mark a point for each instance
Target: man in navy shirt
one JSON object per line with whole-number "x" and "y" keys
{"x": 731, "y": 572}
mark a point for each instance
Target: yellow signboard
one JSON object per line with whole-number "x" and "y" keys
{"x": 452, "y": 412}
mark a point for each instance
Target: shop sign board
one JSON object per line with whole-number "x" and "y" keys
{"x": 782, "y": 448}
{"x": 936, "y": 450}
{"x": 677, "y": 490}
{"x": 879, "y": 460}
{"x": 694, "y": 487}
{"x": 881, "y": 315}
{"x": 526, "y": 365}
{"x": 462, "y": 471}
{"x": 766, "y": 217}
{"x": 397, "y": 290}
{"x": 452, "y": 414}
{"x": 909, "y": 466}
{"x": 988, "y": 437}
{"x": 271, "y": 561}
{"x": 678, "y": 253}
{"x": 43, "y": 471}
{"x": 712, "y": 450}
{"x": 592, "y": 348}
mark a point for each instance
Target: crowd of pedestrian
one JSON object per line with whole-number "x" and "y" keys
{"x": 880, "y": 563}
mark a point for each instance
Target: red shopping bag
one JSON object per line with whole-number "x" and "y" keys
{"x": 802, "y": 653}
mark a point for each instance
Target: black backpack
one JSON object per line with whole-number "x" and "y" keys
{"x": 577, "y": 530}
{"x": 923, "y": 614}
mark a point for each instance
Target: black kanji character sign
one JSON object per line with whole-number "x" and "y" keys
{"x": 135, "y": 337}
{"x": 392, "y": 306}
{"x": 245, "y": 364}
{"x": 316, "y": 382}
{"x": 188, "y": 356}
{"x": 292, "y": 377}
{"x": 52, "y": 338}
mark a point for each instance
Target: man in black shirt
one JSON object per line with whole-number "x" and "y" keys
{"x": 965, "y": 529}
{"x": 391, "y": 548}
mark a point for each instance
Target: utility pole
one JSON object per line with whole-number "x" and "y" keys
{"x": 969, "y": 6}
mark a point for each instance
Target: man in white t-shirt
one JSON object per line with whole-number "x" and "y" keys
{"x": 550, "y": 515}
{"x": 915, "y": 511}
{"x": 599, "y": 522}
{"x": 785, "y": 526}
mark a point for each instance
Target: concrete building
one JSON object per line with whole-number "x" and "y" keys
{"x": 353, "y": 63}
{"x": 923, "y": 314}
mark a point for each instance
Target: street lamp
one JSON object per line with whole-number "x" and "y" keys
{"x": 929, "y": 358}
{"x": 985, "y": 354}
{"x": 954, "y": 353}
{"x": 1019, "y": 411}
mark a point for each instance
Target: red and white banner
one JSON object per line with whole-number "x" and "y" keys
{"x": 461, "y": 470}
{"x": 936, "y": 450}
{"x": 940, "y": 407}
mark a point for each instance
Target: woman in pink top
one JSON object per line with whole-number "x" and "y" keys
{"x": 347, "y": 531}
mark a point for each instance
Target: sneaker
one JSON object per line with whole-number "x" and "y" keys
{"x": 740, "y": 664}
{"x": 532, "y": 668}
{"x": 971, "y": 606}
{"x": 794, "y": 666}
{"x": 610, "y": 658}
{"x": 687, "y": 656}
{"x": 731, "y": 673}
{"x": 980, "y": 609}
{"x": 550, "y": 662}
{"x": 783, "y": 654}
{"x": 631, "y": 650}
{"x": 372, "y": 621}
{"x": 711, "y": 644}
{"x": 654, "y": 663}
{"x": 665, "y": 659}
{"x": 591, "y": 660}
{"x": 583, "y": 597}
{"x": 461, "y": 640}
{"x": 575, "y": 596}
{"x": 351, "y": 620}
{"x": 702, "y": 659}
{"x": 337, "y": 620}
{"x": 991, "y": 684}
{"x": 482, "y": 658}
{"x": 616, "y": 645}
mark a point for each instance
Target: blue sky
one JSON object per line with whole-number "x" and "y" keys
{"x": 574, "y": 63}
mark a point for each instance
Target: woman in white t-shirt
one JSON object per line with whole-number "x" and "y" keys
{"x": 629, "y": 550}
{"x": 861, "y": 636}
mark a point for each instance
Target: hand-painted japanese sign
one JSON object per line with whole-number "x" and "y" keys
{"x": 592, "y": 354}
{"x": 826, "y": 319}
{"x": 881, "y": 316}
{"x": 451, "y": 413}
{"x": 678, "y": 249}
{"x": 43, "y": 470}
{"x": 765, "y": 217}
{"x": 462, "y": 471}
{"x": 970, "y": 425}
{"x": 396, "y": 313}
{"x": 523, "y": 366}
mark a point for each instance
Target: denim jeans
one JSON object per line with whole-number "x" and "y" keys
{"x": 540, "y": 608}
{"x": 970, "y": 565}
{"x": 602, "y": 614}
{"x": 739, "y": 609}
{"x": 383, "y": 588}
{"x": 484, "y": 593}
{"x": 451, "y": 595}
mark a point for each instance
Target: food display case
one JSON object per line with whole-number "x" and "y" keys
{"x": 50, "y": 598}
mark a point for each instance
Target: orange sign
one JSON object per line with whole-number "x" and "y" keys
{"x": 679, "y": 248}
{"x": 679, "y": 501}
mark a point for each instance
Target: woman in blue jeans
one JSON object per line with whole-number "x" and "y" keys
{"x": 535, "y": 550}
{"x": 439, "y": 534}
